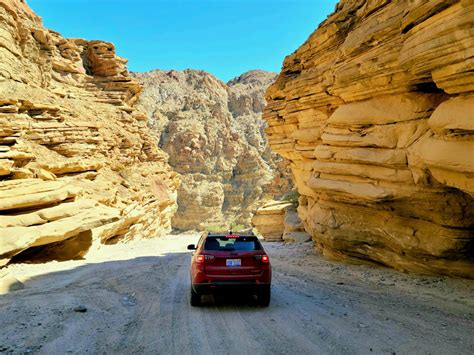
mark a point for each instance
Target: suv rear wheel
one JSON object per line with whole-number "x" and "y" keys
{"x": 195, "y": 298}
{"x": 264, "y": 296}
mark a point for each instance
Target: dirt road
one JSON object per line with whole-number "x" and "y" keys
{"x": 138, "y": 302}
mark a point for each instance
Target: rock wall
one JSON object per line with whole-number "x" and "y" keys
{"x": 214, "y": 135}
{"x": 77, "y": 161}
{"x": 375, "y": 111}
{"x": 278, "y": 221}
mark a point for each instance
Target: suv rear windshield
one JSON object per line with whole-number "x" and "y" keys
{"x": 222, "y": 243}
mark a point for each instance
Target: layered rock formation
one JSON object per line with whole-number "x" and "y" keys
{"x": 77, "y": 161}
{"x": 278, "y": 221}
{"x": 375, "y": 112}
{"x": 214, "y": 135}
{"x": 269, "y": 220}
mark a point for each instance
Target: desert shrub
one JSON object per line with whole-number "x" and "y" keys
{"x": 225, "y": 228}
{"x": 292, "y": 197}
{"x": 214, "y": 228}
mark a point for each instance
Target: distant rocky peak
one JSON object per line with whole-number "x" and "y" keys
{"x": 254, "y": 77}
{"x": 214, "y": 135}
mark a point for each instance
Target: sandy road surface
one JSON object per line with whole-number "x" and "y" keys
{"x": 138, "y": 303}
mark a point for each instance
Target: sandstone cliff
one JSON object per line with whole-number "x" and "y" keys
{"x": 375, "y": 112}
{"x": 214, "y": 135}
{"x": 77, "y": 161}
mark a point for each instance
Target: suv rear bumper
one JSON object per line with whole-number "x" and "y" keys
{"x": 206, "y": 288}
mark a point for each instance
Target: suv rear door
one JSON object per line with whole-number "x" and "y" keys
{"x": 233, "y": 255}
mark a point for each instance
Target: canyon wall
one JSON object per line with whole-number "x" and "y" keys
{"x": 214, "y": 135}
{"x": 78, "y": 164}
{"x": 375, "y": 111}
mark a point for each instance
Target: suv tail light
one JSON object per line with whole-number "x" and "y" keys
{"x": 263, "y": 258}
{"x": 201, "y": 258}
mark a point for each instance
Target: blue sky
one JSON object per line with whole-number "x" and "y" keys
{"x": 223, "y": 37}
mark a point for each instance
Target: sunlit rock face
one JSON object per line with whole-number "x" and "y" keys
{"x": 77, "y": 161}
{"x": 214, "y": 135}
{"x": 277, "y": 221}
{"x": 375, "y": 111}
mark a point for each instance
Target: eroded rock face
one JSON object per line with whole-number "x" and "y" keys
{"x": 277, "y": 221}
{"x": 269, "y": 220}
{"x": 77, "y": 161}
{"x": 214, "y": 135}
{"x": 375, "y": 112}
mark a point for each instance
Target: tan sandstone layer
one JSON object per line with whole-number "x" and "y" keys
{"x": 375, "y": 112}
{"x": 278, "y": 221}
{"x": 77, "y": 161}
{"x": 214, "y": 135}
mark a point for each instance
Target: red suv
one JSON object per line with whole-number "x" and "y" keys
{"x": 230, "y": 261}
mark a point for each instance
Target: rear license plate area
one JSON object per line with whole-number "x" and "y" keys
{"x": 233, "y": 262}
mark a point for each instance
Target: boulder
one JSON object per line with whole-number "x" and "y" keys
{"x": 269, "y": 220}
{"x": 294, "y": 229}
{"x": 279, "y": 221}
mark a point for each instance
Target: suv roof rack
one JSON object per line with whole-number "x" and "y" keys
{"x": 244, "y": 234}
